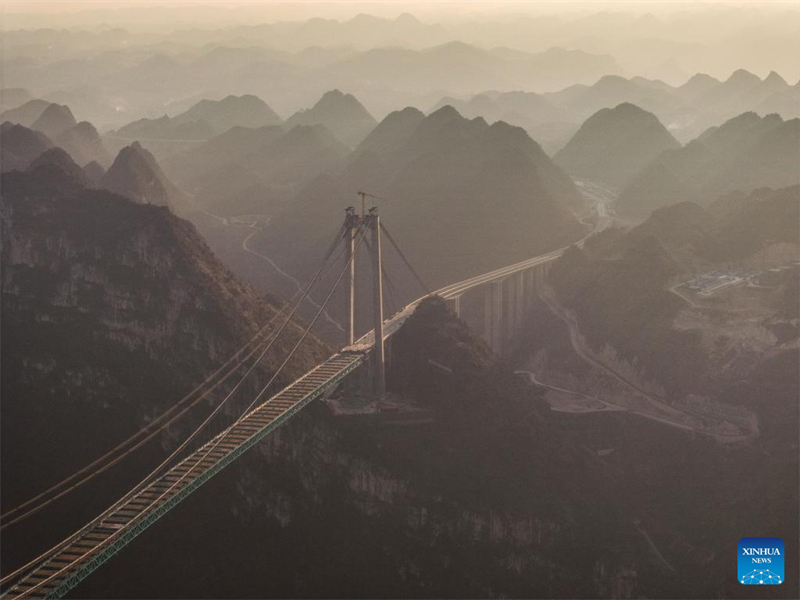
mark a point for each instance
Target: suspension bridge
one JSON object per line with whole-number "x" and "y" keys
{"x": 58, "y": 570}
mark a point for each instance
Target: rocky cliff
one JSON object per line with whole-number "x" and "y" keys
{"x": 111, "y": 312}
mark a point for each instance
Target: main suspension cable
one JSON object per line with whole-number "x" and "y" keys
{"x": 98, "y": 470}
{"x": 138, "y": 487}
{"x": 270, "y": 382}
{"x": 219, "y": 438}
{"x": 405, "y": 260}
{"x": 144, "y": 429}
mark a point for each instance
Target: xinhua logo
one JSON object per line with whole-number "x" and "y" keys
{"x": 761, "y": 561}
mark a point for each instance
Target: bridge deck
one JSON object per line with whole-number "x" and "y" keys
{"x": 55, "y": 577}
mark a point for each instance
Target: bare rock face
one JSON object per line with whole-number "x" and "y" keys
{"x": 112, "y": 310}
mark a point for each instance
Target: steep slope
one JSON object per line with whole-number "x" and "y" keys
{"x": 255, "y": 171}
{"x": 55, "y": 120}
{"x": 734, "y": 227}
{"x": 56, "y": 165}
{"x": 738, "y": 85}
{"x": 686, "y": 110}
{"x": 697, "y": 85}
{"x": 84, "y": 145}
{"x": 232, "y": 111}
{"x": 136, "y": 175}
{"x": 551, "y": 125}
{"x": 392, "y": 132}
{"x": 342, "y": 114}
{"x": 94, "y": 171}
{"x": 189, "y": 167}
{"x": 111, "y": 312}
{"x": 463, "y": 197}
{"x": 20, "y": 145}
{"x": 744, "y": 153}
{"x": 762, "y": 218}
{"x": 614, "y": 144}
{"x": 27, "y": 113}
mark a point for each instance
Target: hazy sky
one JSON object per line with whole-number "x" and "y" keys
{"x": 345, "y": 9}
{"x": 669, "y": 40}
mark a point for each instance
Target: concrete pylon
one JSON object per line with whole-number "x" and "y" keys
{"x": 455, "y": 304}
{"x": 514, "y": 307}
{"x": 539, "y": 279}
{"x": 351, "y": 224}
{"x": 529, "y": 287}
{"x": 493, "y": 315}
{"x": 377, "y": 296}
{"x": 520, "y": 306}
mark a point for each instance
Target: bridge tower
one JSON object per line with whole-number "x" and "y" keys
{"x": 352, "y": 223}
{"x": 377, "y": 298}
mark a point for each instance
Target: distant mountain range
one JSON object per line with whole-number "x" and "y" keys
{"x": 203, "y": 120}
{"x": 58, "y": 124}
{"x": 735, "y": 226}
{"x": 255, "y": 170}
{"x": 124, "y": 86}
{"x": 20, "y": 146}
{"x": 463, "y": 196}
{"x": 27, "y": 113}
{"x": 744, "y": 153}
{"x": 13, "y": 97}
{"x": 343, "y": 115}
{"x": 686, "y": 110}
{"x": 83, "y": 143}
{"x": 461, "y": 67}
{"x": 614, "y": 144}
{"x": 128, "y": 308}
{"x": 163, "y": 128}
{"x": 54, "y": 120}
{"x": 136, "y": 175}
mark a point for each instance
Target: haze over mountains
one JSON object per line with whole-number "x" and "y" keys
{"x": 608, "y": 424}
{"x": 446, "y": 179}
{"x": 108, "y": 76}
{"x": 686, "y": 110}
{"x": 614, "y": 144}
{"x": 653, "y": 39}
{"x": 136, "y": 285}
{"x": 744, "y": 153}
{"x": 343, "y": 115}
{"x": 267, "y": 168}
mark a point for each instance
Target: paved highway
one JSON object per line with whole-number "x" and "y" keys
{"x": 600, "y": 201}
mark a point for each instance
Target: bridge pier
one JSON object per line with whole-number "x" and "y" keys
{"x": 493, "y": 315}
{"x": 455, "y": 304}
{"x": 351, "y": 229}
{"x": 530, "y": 286}
{"x": 505, "y": 304}
{"x": 509, "y": 306}
{"x": 377, "y": 296}
{"x": 519, "y": 312}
